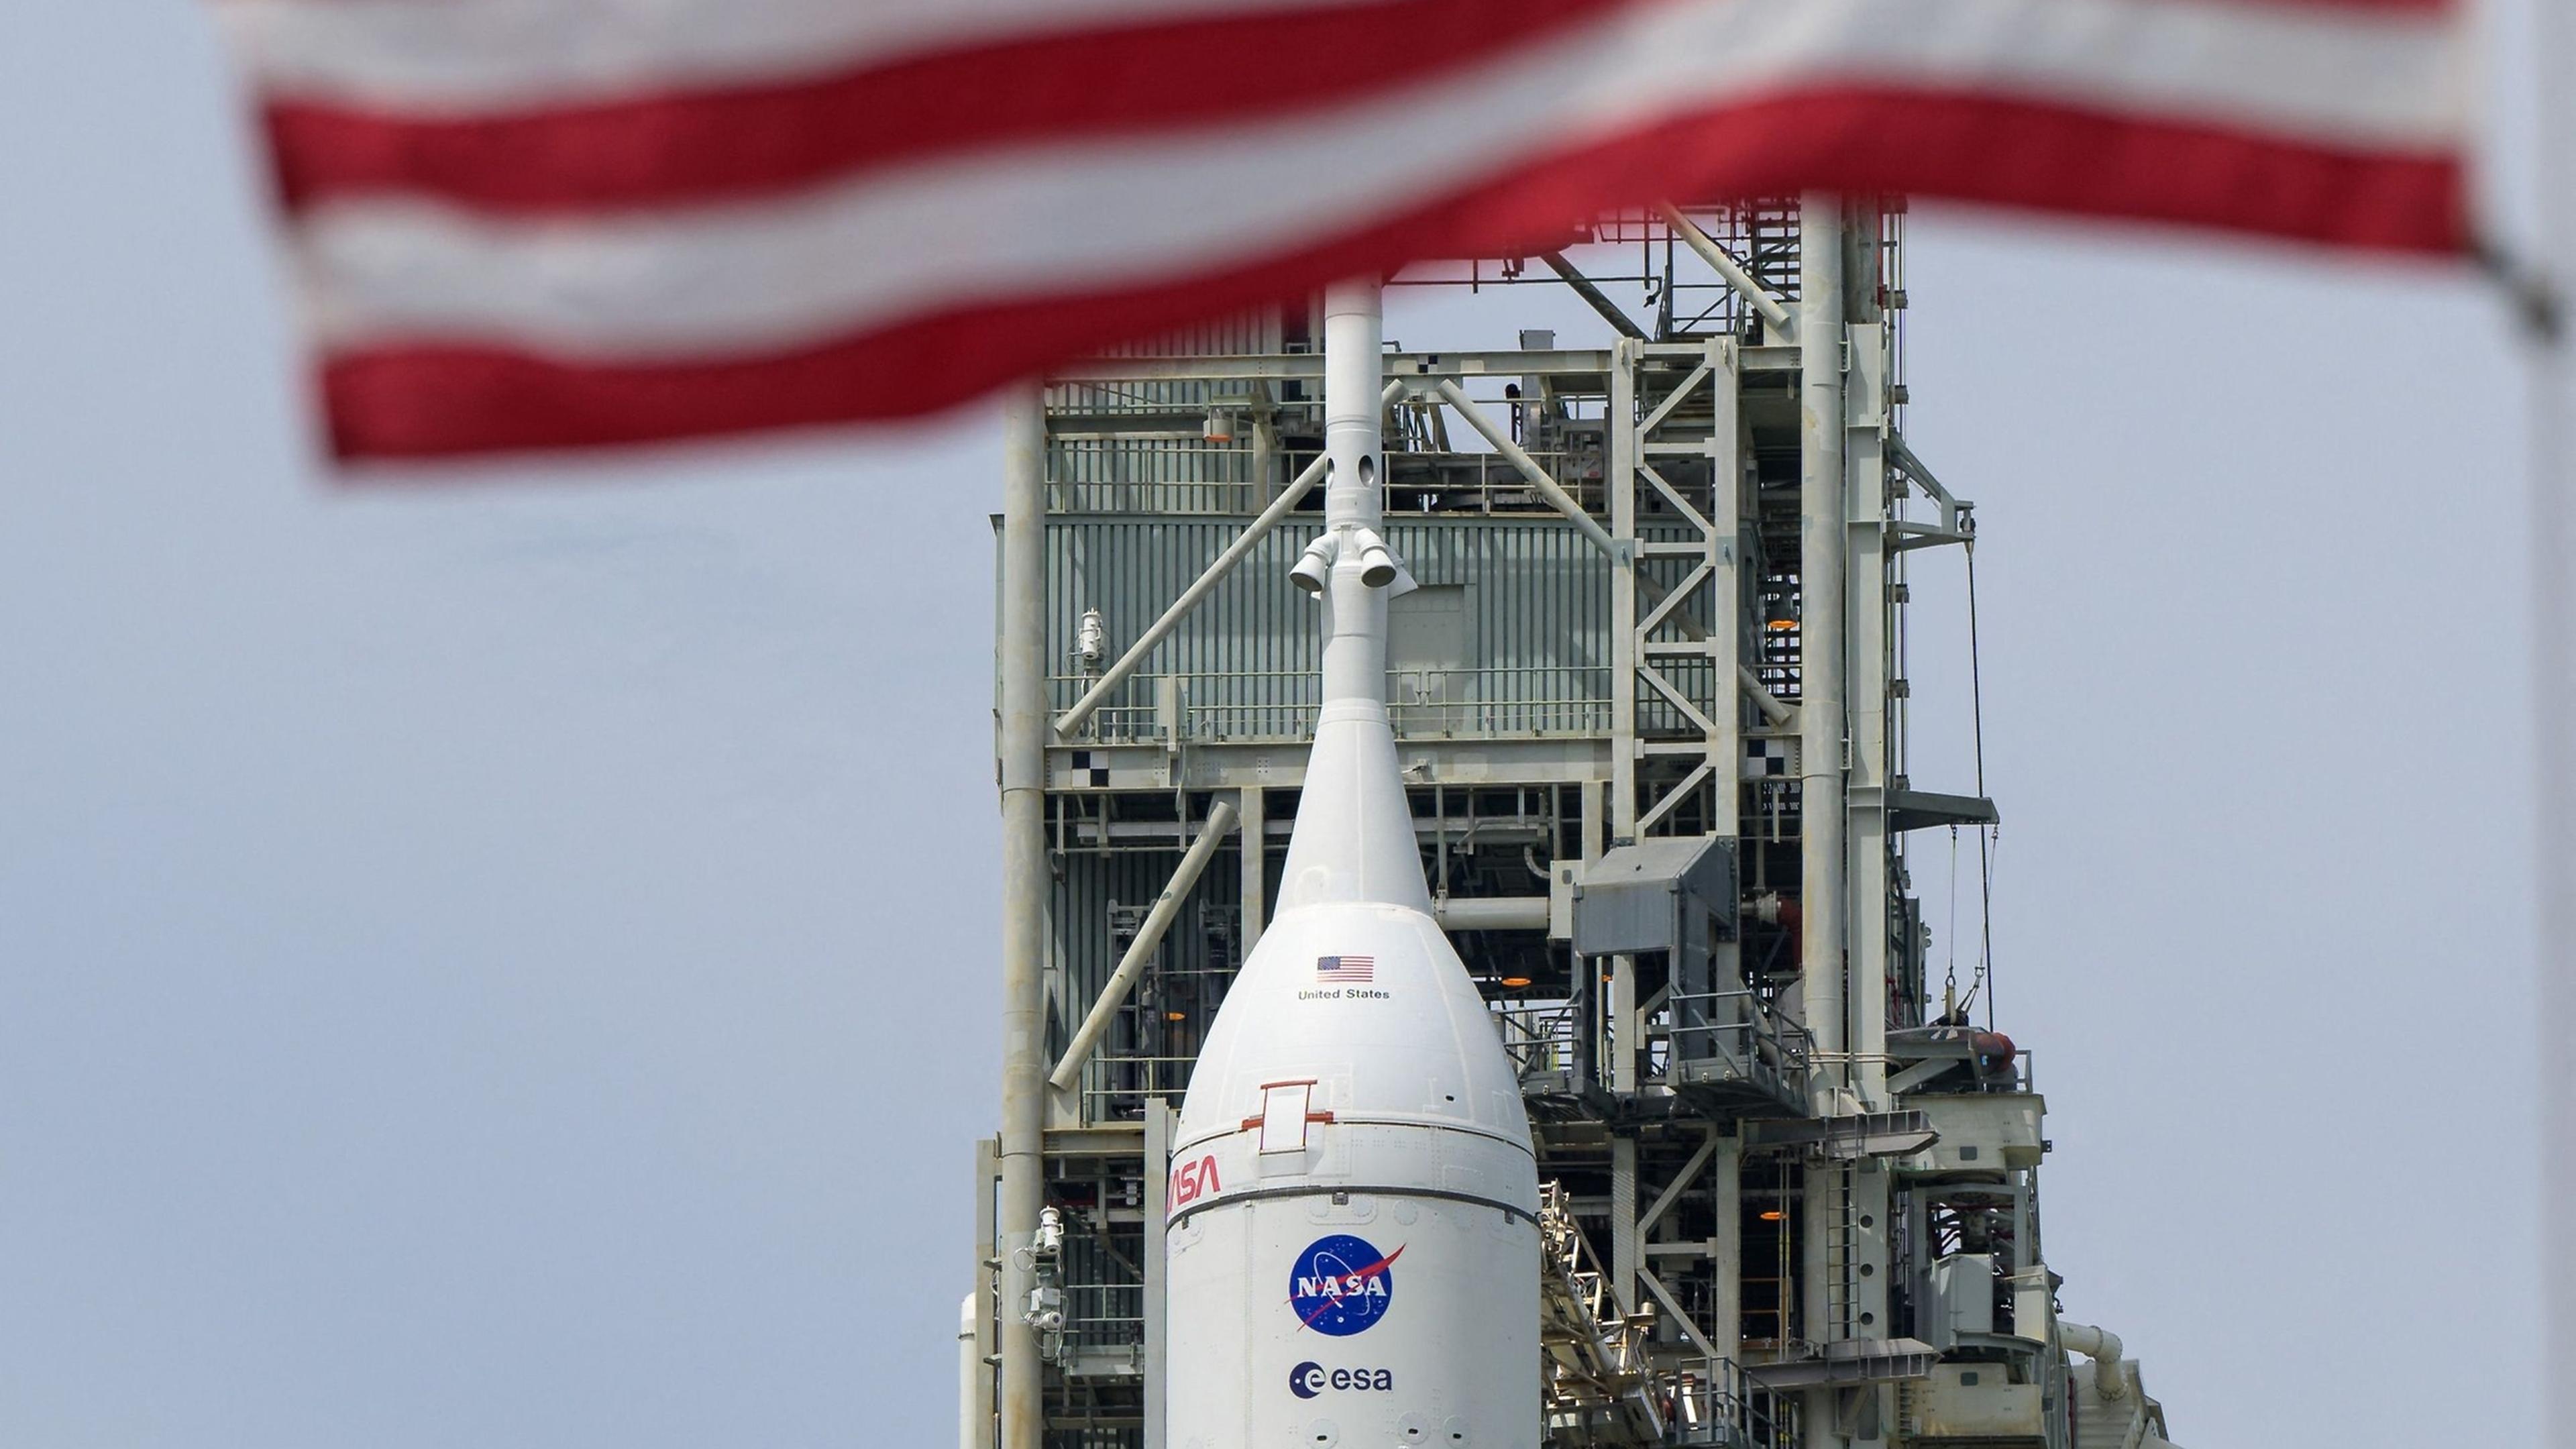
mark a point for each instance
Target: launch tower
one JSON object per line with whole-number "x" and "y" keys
{"x": 1649, "y": 704}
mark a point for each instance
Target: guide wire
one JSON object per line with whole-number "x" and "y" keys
{"x": 1986, "y": 834}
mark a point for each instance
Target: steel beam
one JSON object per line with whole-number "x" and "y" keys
{"x": 1593, "y": 296}
{"x": 1548, "y": 488}
{"x": 1511, "y": 363}
{"x": 1823, "y": 520}
{"x": 1873, "y": 663}
{"x": 1149, "y": 939}
{"x": 1725, "y": 265}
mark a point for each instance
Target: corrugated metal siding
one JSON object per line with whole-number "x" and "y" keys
{"x": 1163, "y": 474}
{"x": 1144, "y": 1051}
{"x": 1537, "y": 595}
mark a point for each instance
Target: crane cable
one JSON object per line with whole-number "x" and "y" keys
{"x": 1987, "y": 835}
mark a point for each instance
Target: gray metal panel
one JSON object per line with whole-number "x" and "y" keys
{"x": 1631, "y": 899}
{"x": 1144, "y": 1053}
{"x": 1535, "y": 613}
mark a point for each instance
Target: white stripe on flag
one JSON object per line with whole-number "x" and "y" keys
{"x": 1037, "y": 220}
{"x": 458, "y": 55}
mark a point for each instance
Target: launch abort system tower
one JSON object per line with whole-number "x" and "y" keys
{"x": 1649, "y": 702}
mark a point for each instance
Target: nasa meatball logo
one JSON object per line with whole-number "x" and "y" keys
{"x": 1342, "y": 1285}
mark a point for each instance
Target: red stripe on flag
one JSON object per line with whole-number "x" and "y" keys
{"x": 430, "y": 399}
{"x": 705, "y": 145}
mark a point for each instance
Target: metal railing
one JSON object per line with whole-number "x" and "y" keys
{"x": 1280, "y": 706}
{"x": 1733, "y": 1036}
{"x": 1712, "y": 1402}
{"x": 1114, "y": 1088}
{"x": 1540, "y": 1040}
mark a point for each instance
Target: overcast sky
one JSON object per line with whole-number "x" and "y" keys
{"x": 511, "y": 964}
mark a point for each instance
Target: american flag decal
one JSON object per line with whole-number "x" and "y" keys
{"x": 1343, "y": 969}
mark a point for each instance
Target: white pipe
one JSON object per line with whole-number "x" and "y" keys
{"x": 1823, "y": 529}
{"x": 971, "y": 1430}
{"x": 1725, "y": 265}
{"x": 1528, "y": 467}
{"x": 1822, "y": 524}
{"x": 1149, "y": 939}
{"x": 2110, "y": 1375}
{"x": 1026, "y": 880}
{"x": 1763, "y": 699}
{"x": 1491, "y": 913}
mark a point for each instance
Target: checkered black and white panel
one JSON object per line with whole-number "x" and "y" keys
{"x": 1086, "y": 769}
{"x": 1770, "y": 759}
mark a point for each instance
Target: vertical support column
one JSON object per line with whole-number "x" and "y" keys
{"x": 2552, "y": 532}
{"x": 1869, "y": 665}
{"x": 1158, "y": 1184}
{"x": 1626, "y": 1256}
{"x": 1726, "y": 629}
{"x": 1252, "y": 803}
{"x": 970, "y": 1373}
{"x": 1025, "y": 881}
{"x": 988, "y": 1179}
{"x": 1870, "y": 1201}
{"x": 1822, "y": 523}
{"x": 1726, "y": 1191}
{"x": 1619, "y": 483}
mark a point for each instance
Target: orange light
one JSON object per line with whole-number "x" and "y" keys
{"x": 1772, "y": 1215}
{"x": 1176, "y": 1016}
{"x": 1516, "y": 981}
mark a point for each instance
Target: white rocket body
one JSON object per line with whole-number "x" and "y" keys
{"x": 1353, "y": 1244}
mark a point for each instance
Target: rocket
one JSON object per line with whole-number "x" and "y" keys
{"x": 1353, "y": 1247}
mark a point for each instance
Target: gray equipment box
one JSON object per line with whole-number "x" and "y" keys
{"x": 1636, "y": 898}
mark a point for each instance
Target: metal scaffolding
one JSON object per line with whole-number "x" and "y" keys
{"x": 1649, "y": 702}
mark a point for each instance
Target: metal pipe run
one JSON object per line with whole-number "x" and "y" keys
{"x": 972, "y": 1423}
{"x": 1823, "y": 526}
{"x": 1528, "y": 468}
{"x": 1771, "y": 705}
{"x": 1610, "y": 311}
{"x": 1491, "y": 913}
{"x": 1725, "y": 265}
{"x": 1025, "y": 885}
{"x": 2110, "y": 1378}
{"x": 1822, "y": 539}
{"x": 1215, "y": 573}
{"x": 1149, "y": 939}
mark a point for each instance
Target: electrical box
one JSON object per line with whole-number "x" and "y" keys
{"x": 1634, "y": 898}
{"x": 1993, "y": 1132}
{"x": 1976, "y": 1402}
{"x": 1961, "y": 1299}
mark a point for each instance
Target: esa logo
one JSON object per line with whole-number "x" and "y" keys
{"x": 1341, "y": 1285}
{"x": 1308, "y": 1379}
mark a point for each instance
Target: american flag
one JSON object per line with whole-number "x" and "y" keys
{"x": 1341, "y": 970}
{"x": 537, "y": 224}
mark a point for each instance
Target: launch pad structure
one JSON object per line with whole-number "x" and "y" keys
{"x": 1650, "y": 703}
